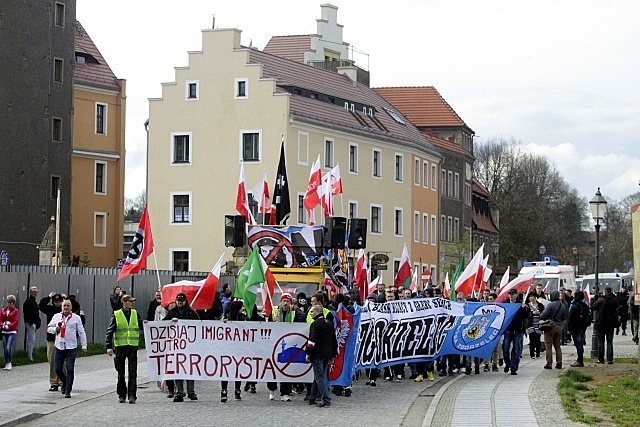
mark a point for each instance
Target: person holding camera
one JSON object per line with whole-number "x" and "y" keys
{"x": 116, "y": 304}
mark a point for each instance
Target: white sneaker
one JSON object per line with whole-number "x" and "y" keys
{"x": 7, "y": 367}
{"x": 286, "y": 398}
{"x": 272, "y": 395}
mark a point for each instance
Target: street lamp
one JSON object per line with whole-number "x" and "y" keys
{"x": 575, "y": 261}
{"x": 598, "y": 205}
{"x": 543, "y": 251}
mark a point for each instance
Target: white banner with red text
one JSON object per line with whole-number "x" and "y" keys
{"x": 214, "y": 350}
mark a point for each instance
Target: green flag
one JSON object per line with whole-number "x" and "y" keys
{"x": 249, "y": 277}
{"x": 454, "y": 278}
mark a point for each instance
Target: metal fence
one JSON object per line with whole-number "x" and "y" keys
{"x": 92, "y": 288}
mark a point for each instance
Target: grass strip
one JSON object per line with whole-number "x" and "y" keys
{"x": 620, "y": 399}
{"x": 571, "y": 382}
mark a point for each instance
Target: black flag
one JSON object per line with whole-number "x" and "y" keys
{"x": 281, "y": 193}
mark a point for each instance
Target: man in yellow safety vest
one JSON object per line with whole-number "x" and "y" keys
{"x": 123, "y": 334}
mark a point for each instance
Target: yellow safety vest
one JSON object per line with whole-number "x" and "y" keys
{"x": 325, "y": 311}
{"x": 289, "y": 316}
{"x": 126, "y": 333}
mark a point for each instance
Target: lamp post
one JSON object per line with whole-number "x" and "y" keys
{"x": 543, "y": 251}
{"x": 598, "y": 205}
{"x": 575, "y": 262}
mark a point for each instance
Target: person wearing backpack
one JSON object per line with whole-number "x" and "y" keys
{"x": 579, "y": 321}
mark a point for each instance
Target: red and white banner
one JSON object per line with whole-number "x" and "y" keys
{"x": 520, "y": 284}
{"x": 466, "y": 281}
{"x": 241, "y": 351}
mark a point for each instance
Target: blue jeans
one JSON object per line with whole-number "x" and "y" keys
{"x": 577, "y": 335}
{"x": 608, "y": 334}
{"x": 31, "y": 339}
{"x": 320, "y": 382}
{"x": 68, "y": 356}
{"x": 8, "y": 340}
{"x": 512, "y": 349}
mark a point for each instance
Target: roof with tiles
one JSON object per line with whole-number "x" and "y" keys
{"x": 289, "y": 73}
{"x": 289, "y": 47}
{"x": 423, "y": 105}
{"x": 482, "y": 216}
{"x": 92, "y": 74}
{"x": 445, "y": 144}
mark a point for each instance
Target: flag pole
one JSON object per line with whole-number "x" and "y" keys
{"x": 157, "y": 271}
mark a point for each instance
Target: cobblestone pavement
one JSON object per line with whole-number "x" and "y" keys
{"x": 488, "y": 399}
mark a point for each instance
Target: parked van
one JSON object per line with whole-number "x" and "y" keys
{"x": 551, "y": 275}
{"x": 615, "y": 280}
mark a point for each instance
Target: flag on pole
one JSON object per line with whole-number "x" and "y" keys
{"x": 466, "y": 281}
{"x": 200, "y": 294}
{"x": 326, "y": 195}
{"x": 141, "y": 248}
{"x": 264, "y": 204}
{"x": 447, "y": 288}
{"x": 520, "y": 284}
{"x": 414, "y": 280}
{"x": 403, "y": 277}
{"x": 504, "y": 281}
{"x": 311, "y": 197}
{"x": 335, "y": 181}
{"x": 457, "y": 273}
{"x": 253, "y": 273}
{"x": 373, "y": 285}
{"x": 361, "y": 275}
{"x": 281, "y": 192}
{"x": 242, "y": 198}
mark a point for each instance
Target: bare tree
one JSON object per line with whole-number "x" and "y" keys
{"x": 133, "y": 208}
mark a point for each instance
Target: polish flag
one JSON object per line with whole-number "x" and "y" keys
{"x": 373, "y": 285}
{"x": 414, "y": 280}
{"x": 361, "y": 274}
{"x": 466, "y": 281}
{"x": 264, "y": 204}
{"x": 336, "y": 181}
{"x": 486, "y": 276}
{"x": 504, "y": 281}
{"x": 200, "y": 294}
{"x": 242, "y": 199}
{"x": 520, "y": 284}
{"x": 403, "y": 277}
{"x": 327, "y": 195}
{"x": 446, "y": 292}
{"x": 312, "y": 196}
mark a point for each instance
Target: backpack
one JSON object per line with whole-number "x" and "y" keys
{"x": 585, "y": 316}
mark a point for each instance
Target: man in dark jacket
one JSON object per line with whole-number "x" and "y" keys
{"x": 182, "y": 310}
{"x": 31, "y": 319}
{"x": 512, "y": 344}
{"x": 322, "y": 347}
{"x": 623, "y": 309}
{"x": 606, "y": 309}
{"x": 50, "y": 310}
{"x": 153, "y": 304}
{"x": 557, "y": 312}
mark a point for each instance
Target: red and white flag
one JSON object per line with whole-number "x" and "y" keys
{"x": 312, "y": 196}
{"x": 267, "y": 288}
{"x": 335, "y": 181}
{"x": 486, "y": 276}
{"x": 200, "y": 294}
{"x": 141, "y": 248}
{"x": 264, "y": 204}
{"x": 361, "y": 274}
{"x": 446, "y": 292}
{"x": 327, "y": 195}
{"x": 373, "y": 285}
{"x": 242, "y": 199}
{"x": 403, "y": 277}
{"x": 466, "y": 281}
{"x": 520, "y": 284}
{"x": 414, "y": 280}
{"x": 504, "y": 281}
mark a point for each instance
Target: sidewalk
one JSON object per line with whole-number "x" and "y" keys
{"x": 25, "y": 396}
{"x": 496, "y": 399}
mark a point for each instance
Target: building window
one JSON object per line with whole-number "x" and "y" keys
{"x": 56, "y": 129}
{"x": 398, "y": 173}
{"x": 101, "y": 118}
{"x": 467, "y": 194}
{"x": 377, "y": 163}
{"x": 456, "y": 229}
{"x": 450, "y": 184}
{"x": 353, "y": 209}
{"x": 57, "y": 70}
{"x": 241, "y": 88}
{"x": 456, "y": 186}
{"x": 443, "y": 182}
{"x": 181, "y": 208}
{"x": 250, "y": 146}
{"x": 443, "y": 231}
{"x": 449, "y": 229}
{"x": 425, "y": 174}
{"x": 353, "y": 158}
{"x": 181, "y": 148}
{"x": 416, "y": 172}
{"x": 328, "y": 153}
{"x": 100, "y": 178}
{"x": 100, "y": 229}
{"x": 397, "y": 222}
{"x": 434, "y": 176}
{"x": 434, "y": 228}
{"x": 180, "y": 260}
{"x": 425, "y": 228}
{"x": 59, "y": 15}
{"x": 193, "y": 90}
{"x": 416, "y": 225}
{"x": 376, "y": 219}
{"x": 55, "y": 186}
{"x": 302, "y": 212}
{"x": 303, "y": 148}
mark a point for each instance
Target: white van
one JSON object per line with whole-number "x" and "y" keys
{"x": 615, "y": 280}
{"x": 551, "y": 275}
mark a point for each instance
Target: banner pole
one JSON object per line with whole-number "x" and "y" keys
{"x": 157, "y": 271}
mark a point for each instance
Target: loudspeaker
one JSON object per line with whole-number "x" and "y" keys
{"x": 357, "y": 233}
{"x": 234, "y": 234}
{"x": 336, "y": 232}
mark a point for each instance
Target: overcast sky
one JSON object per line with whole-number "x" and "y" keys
{"x": 559, "y": 76}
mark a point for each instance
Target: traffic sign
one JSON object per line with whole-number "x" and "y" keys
{"x": 426, "y": 275}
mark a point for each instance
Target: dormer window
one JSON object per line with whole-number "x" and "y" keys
{"x": 371, "y": 112}
{"x": 346, "y": 105}
{"x": 353, "y": 108}
{"x": 394, "y": 115}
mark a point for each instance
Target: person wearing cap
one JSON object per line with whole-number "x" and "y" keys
{"x": 50, "y": 306}
{"x": 513, "y": 335}
{"x": 183, "y": 311}
{"x": 123, "y": 335}
{"x": 285, "y": 313}
{"x": 67, "y": 327}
